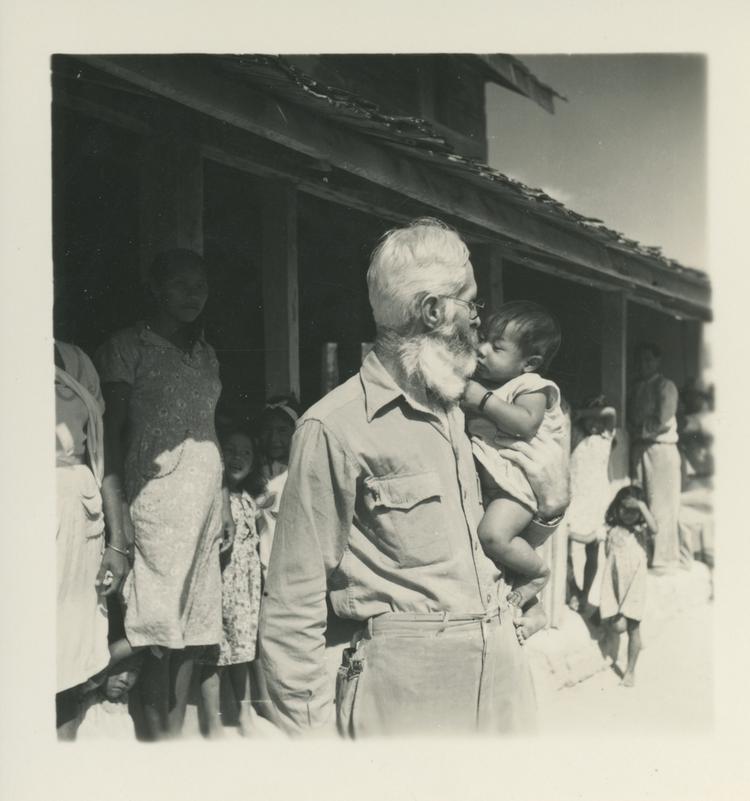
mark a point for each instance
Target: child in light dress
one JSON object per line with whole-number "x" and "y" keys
{"x": 241, "y": 589}
{"x": 508, "y": 396}
{"x": 590, "y": 490}
{"x": 623, "y": 594}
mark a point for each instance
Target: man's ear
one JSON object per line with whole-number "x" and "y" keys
{"x": 431, "y": 311}
{"x": 532, "y": 364}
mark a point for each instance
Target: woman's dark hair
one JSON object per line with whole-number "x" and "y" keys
{"x": 631, "y": 491}
{"x": 648, "y": 347}
{"x": 165, "y": 264}
{"x": 535, "y": 330}
{"x": 255, "y": 482}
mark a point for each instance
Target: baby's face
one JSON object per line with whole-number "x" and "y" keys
{"x": 119, "y": 684}
{"x": 500, "y": 359}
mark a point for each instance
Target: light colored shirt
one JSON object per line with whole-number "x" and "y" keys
{"x": 653, "y": 410}
{"x": 380, "y": 509}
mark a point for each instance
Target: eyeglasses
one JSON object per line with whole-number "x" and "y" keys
{"x": 475, "y": 306}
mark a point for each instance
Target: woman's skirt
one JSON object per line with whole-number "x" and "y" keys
{"x": 82, "y": 648}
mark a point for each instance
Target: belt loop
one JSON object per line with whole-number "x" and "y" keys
{"x": 443, "y": 624}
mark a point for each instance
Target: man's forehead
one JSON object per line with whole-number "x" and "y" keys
{"x": 469, "y": 287}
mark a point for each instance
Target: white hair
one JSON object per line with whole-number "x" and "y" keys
{"x": 426, "y": 257}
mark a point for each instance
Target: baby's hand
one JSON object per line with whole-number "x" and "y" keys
{"x": 473, "y": 394}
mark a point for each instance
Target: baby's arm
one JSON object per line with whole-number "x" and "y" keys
{"x": 521, "y": 418}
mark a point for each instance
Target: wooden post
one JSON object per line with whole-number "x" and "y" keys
{"x": 171, "y": 205}
{"x": 280, "y": 289}
{"x": 496, "y": 295}
{"x": 614, "y": 374}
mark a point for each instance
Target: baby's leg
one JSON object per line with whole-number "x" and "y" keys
{"x": 505, "y": 519}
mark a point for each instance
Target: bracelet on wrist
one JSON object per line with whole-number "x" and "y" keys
{"x": 125, "y": 552}
{"x": 482, "y": 403}
{"x": 547, "y": 521}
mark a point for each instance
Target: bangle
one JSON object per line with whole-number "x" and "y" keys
{"x": 550, "y": 521}
{"x": 483, "y": 402}
{"x": 114, "y": 548}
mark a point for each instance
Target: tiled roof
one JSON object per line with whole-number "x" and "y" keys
{"x": 277, "y": 76}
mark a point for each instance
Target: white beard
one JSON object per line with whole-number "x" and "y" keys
{"x": 440, "y": 363}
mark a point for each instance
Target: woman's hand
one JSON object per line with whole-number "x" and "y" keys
{"x": 113, "y": 570}
{"x": 545, "y": 463}
{"x": 227, "y": 525}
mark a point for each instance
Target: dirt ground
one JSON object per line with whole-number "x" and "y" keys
{"x": 673, "y": 692}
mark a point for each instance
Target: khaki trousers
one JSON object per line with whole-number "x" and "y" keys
{"x": 435, "y": 674}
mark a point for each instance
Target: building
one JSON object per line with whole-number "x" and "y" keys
{"x": 284, "y": 172}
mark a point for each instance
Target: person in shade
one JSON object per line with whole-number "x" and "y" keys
{"x": 380, "y": 513}
{"x": 655, "y": 456}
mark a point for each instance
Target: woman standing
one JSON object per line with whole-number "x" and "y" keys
{"x": 86, "y": 571}
{"x": 160, "y": 381}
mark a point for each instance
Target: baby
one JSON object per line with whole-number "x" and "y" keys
{"x": 509, "y": 397}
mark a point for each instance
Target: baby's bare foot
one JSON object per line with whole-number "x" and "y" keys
{"x": 628, "y": 680}
{"x": 530, "y": 622}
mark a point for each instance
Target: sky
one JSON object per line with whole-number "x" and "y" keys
{"x": 629, "y": 146}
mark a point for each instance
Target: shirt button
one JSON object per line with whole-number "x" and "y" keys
{"x": 489, "y": 597}
{"x": 476, "y": 545}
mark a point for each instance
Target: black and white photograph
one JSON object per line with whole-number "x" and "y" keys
{"x": 384, "y": 387}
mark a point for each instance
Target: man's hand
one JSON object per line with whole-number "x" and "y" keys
{"x": 545, "y": 464}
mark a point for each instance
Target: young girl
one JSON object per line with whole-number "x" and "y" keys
{"x": 590, "y": 491}
{"x": 510, "y": 397}
{"x": 104, "y": 707}
{"x": 240, "y": 587}
{"x": 623, "y": 593}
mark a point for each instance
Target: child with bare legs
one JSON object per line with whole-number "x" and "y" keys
{"x": 508, "y": 397}
{"x": 623, "y": 594}
{"x": 241, "y": 588}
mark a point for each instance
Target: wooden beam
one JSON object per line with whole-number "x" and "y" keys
{"x": 280, "y": 289}
{"x": 188, "y": 82}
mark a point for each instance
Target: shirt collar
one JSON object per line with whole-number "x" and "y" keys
{"x": 381, "y": 389}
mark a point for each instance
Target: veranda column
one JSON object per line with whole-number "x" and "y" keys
{"x": 614, "y": 372}
{"x": 280, "y": 289}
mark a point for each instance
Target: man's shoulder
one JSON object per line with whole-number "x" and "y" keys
{"x": 345, "y": 403}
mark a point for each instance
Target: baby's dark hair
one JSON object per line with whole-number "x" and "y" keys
{"x": 631, "y": 491}
{"x": 255, "y": 482}
{"x": 535, "y": 330}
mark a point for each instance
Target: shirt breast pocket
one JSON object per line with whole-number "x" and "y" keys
{"x": 408, "y": 515}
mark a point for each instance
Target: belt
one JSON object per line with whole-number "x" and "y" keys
{"x": 389, "y": 621}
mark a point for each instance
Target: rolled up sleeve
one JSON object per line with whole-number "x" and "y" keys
{"x": 312, "y": 530}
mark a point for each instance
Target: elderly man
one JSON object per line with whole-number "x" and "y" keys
{"x": 381, "y": 511}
